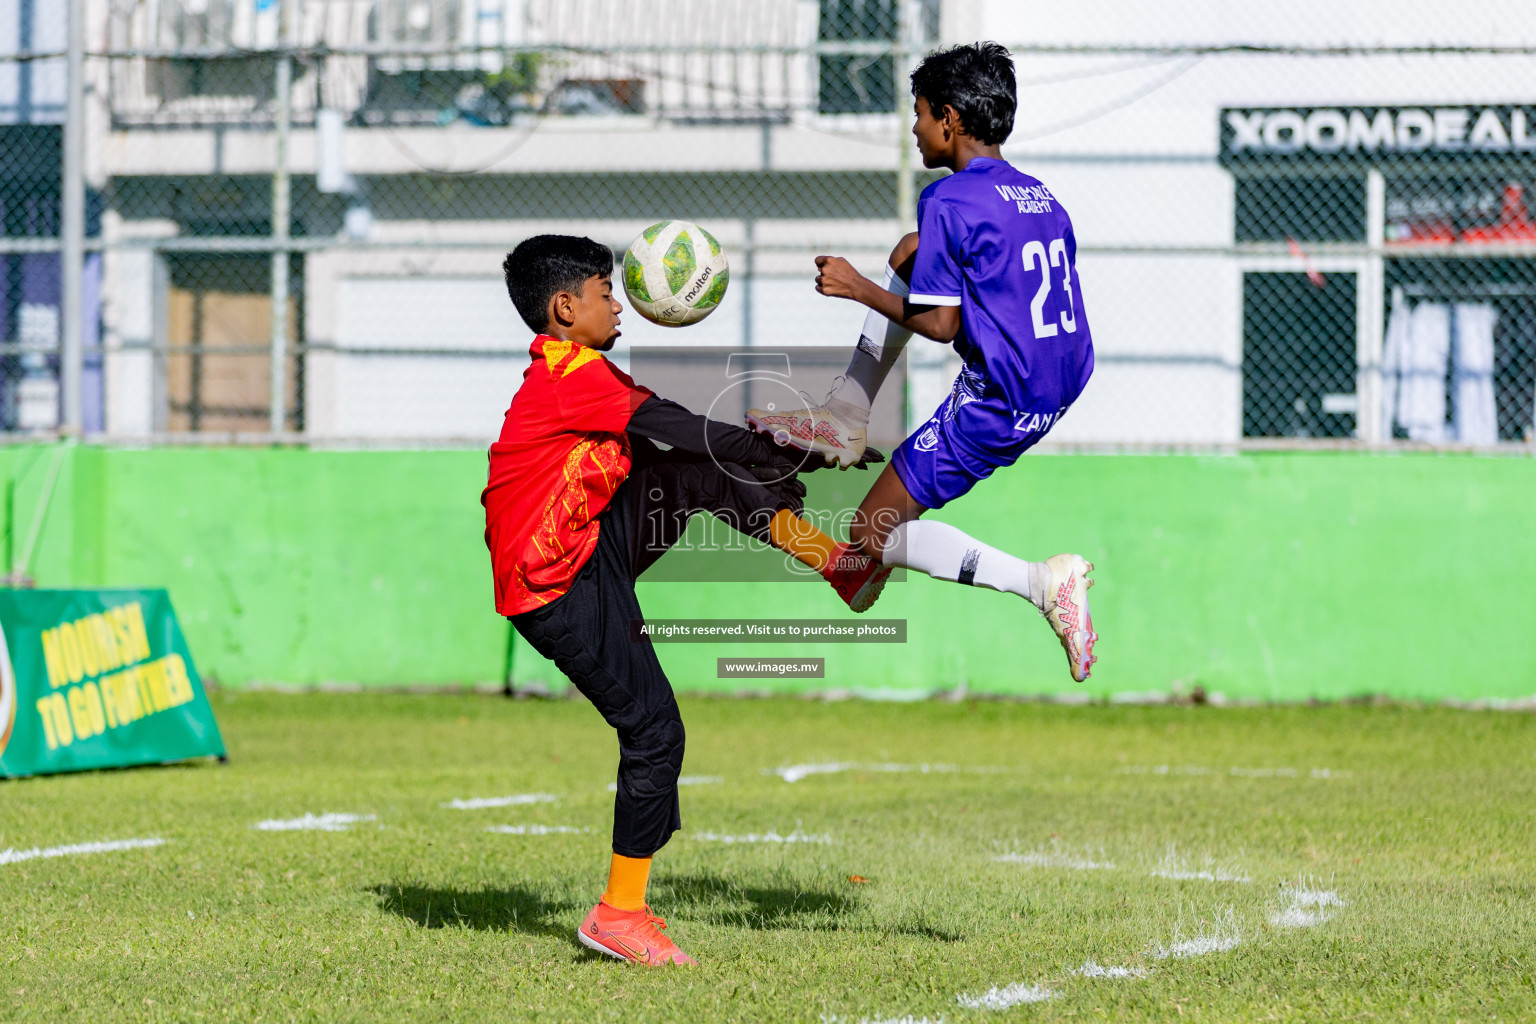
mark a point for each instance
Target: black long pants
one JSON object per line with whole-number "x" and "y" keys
{"x": 590, "y": 632}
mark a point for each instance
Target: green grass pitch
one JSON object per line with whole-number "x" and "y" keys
{"x": 1309, "y": 863}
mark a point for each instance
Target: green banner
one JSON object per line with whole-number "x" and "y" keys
{"x": 97, "y": 679}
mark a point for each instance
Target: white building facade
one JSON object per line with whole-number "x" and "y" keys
{"x": 1240, "y": 268}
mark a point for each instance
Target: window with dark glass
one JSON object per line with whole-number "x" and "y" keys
{"x": 1298, "y": 355}
{"x": 1308, "y": 208}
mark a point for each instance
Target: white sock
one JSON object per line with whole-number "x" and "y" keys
{"x": 947, "y": 553}
{"x": 880, "y": 345}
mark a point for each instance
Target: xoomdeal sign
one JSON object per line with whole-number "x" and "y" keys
{"x": 1376, "y": 133}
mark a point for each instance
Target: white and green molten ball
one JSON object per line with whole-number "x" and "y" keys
{"x": 675, "y": 273}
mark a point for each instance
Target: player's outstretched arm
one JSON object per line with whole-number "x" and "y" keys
{"x": 836, "y": 277}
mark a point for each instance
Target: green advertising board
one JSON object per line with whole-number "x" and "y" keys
{"x": 97, "y": 679}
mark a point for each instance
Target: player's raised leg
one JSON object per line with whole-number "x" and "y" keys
{"x": 837, "y": 428}
{"x": 766, "y": 510}
{"x": 888, "y": 527}
{"x": 857, "y": 578}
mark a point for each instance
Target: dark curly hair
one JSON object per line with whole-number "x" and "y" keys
{"x": 545, "y": 265}
{"x": 977, "y": 80}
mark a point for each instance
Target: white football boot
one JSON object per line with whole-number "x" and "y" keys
{"x": 1066, "y": 609}
{"x": 814, "y": 429}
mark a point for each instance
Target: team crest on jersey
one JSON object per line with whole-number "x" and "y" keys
{"x": 971, "y": 380}
{"x": 928, "y": 440}
{"x": 968, "y": 388}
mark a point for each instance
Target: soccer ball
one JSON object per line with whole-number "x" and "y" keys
{"x": 675, "y": 273}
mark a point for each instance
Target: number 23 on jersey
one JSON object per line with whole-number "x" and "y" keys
{"x": 1038, "y": 256}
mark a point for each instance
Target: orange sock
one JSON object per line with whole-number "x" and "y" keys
{"x": 627, "y": 877}
{"x": 801, "y": 538}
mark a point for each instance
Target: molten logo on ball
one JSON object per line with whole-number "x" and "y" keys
{"x": 675, "y": 273}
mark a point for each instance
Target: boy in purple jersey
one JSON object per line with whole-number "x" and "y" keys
{"x": 992, "y": 268}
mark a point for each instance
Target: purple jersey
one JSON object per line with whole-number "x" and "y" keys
{"x": 996, "y": 243}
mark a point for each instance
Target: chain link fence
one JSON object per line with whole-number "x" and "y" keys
{"x": 1278, "y": 245}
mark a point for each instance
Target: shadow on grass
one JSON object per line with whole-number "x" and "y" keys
{"x": 721, "y": 901}
{"x": 709, "y": 898}
{"x": 491, "y": 908}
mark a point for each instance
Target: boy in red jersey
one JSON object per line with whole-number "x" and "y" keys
{"x": 580, "y": 501}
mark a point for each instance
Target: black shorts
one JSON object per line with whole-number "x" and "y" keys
{"x": 590, "y": 632}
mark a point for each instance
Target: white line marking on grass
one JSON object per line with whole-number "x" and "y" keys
{"x": 1219, "y": 875}
{"x": 1308, "y": 908}
{"x": 1093, "y": 970}
{"x": 328, "y": 822}
{"x": 12, "y": 855}
{"x": 1002, "y": 998}
{"x": 1043, "y": 858}
{"x": 1236, "y": 772}
{"x": 537, "y": 830}
{"x": 1200, "y": 945}
{"x": 923, "y": 769}
{"x": 1220, "y": 937}
{"x": 1175, "y": 867}
{"x": 683, "y": 780}
{"x": 797, "y": 836}
{"x": 909, "y": 1019}
{"x": 480, "y": 802}
{"x": 796, "y": 772}
{"x": 1296, "y": 917}
{"x": 1162, "y": 769}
